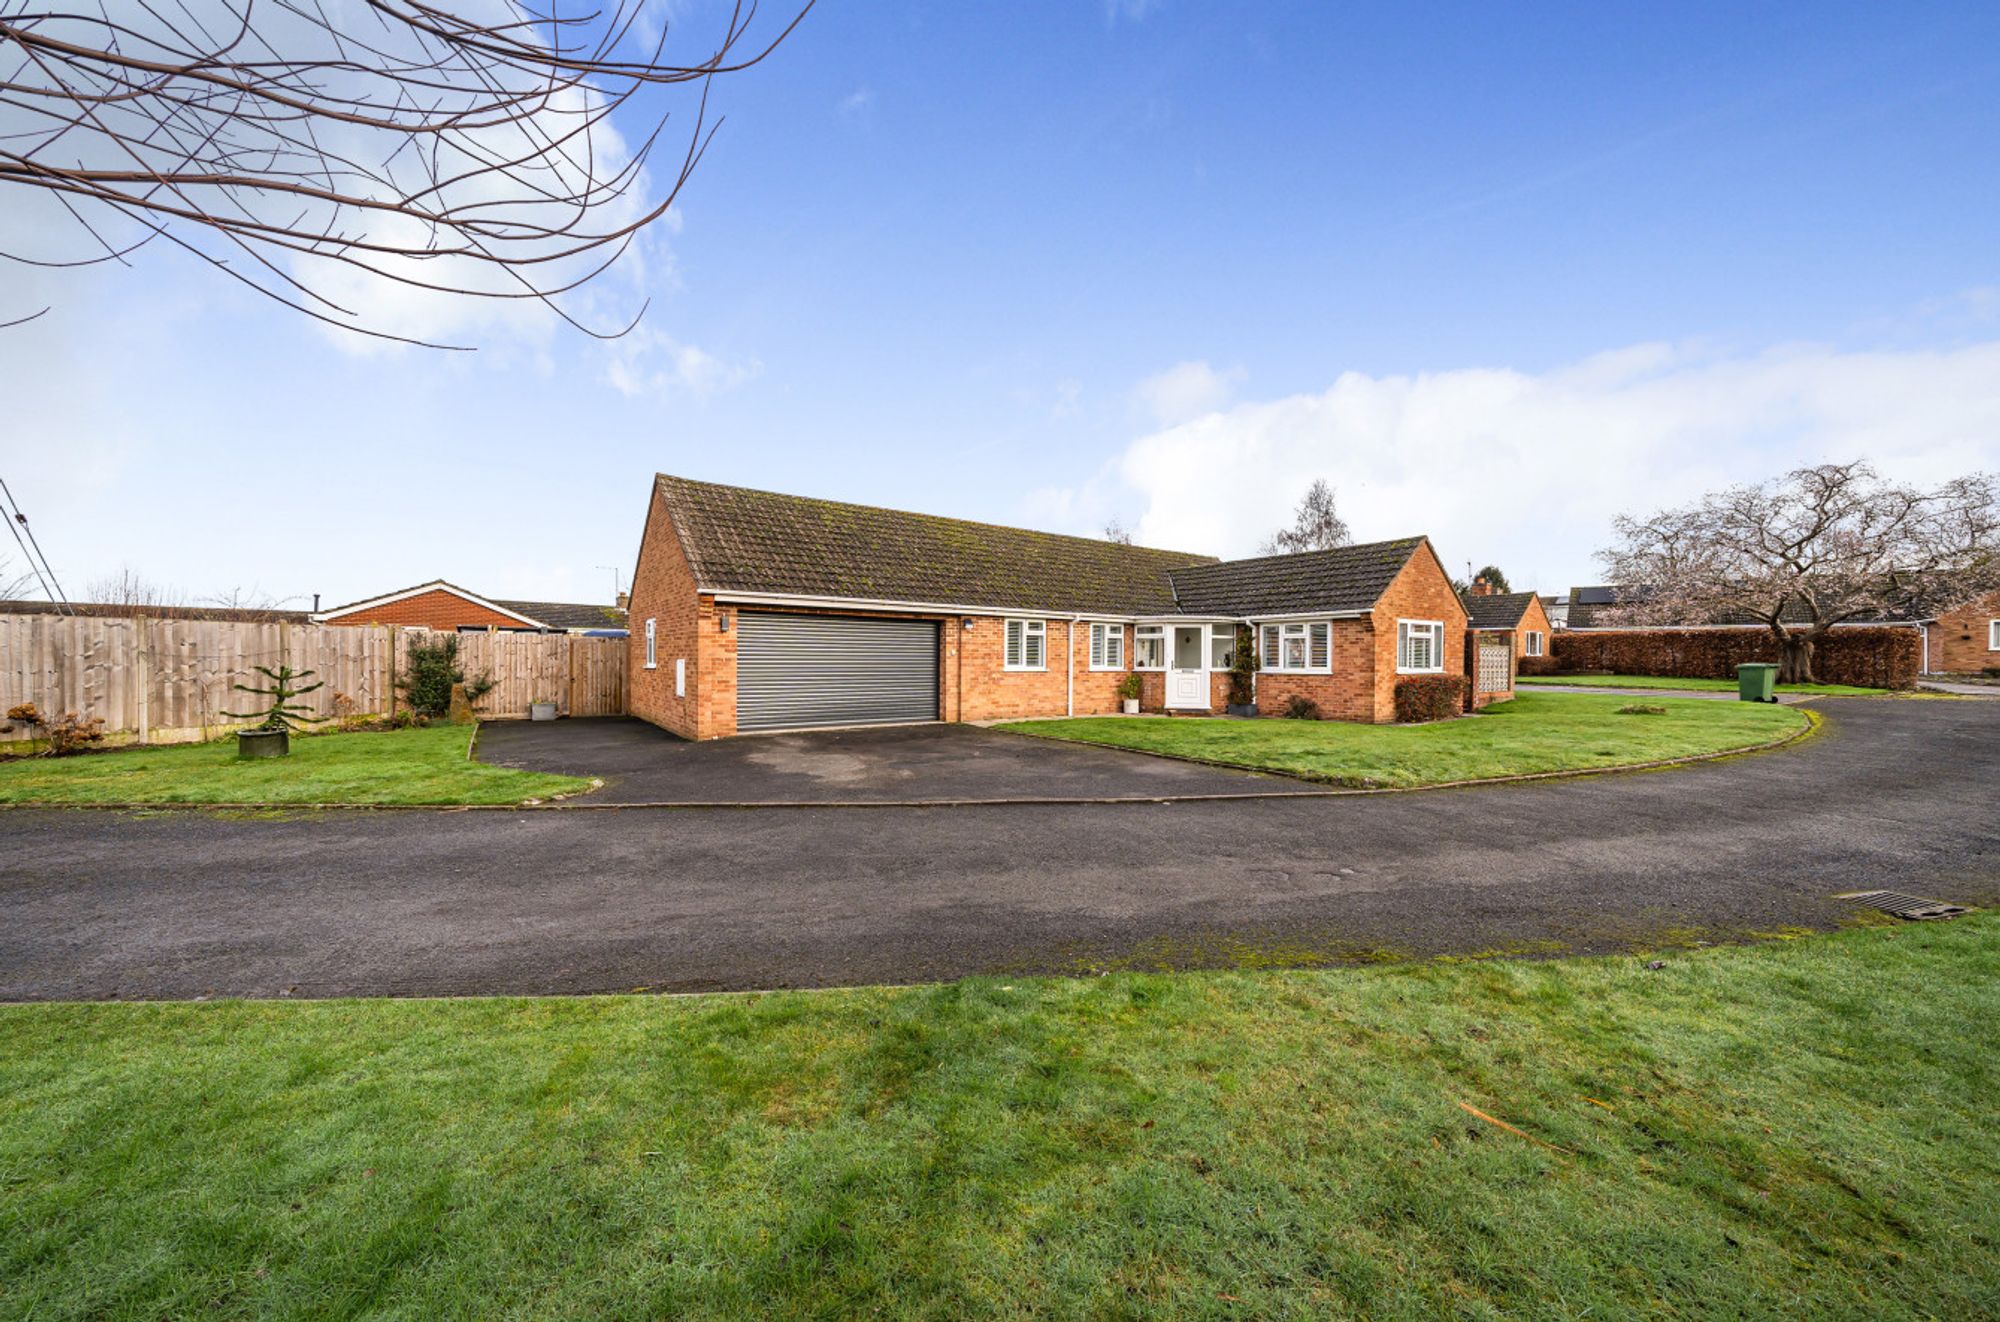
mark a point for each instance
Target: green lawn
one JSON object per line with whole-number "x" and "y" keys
{"x": 1700, "y": 685}
{"x": 395, "y": 766}
{"x": 1534, "y": 732}
{"x": 1801, "y": 1129}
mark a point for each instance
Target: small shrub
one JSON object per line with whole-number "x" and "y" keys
{"x": 430, "y": 671}
{"x": 1429, "y": 698}
{"x": 1299, "y": 708}
{"x": 67, "y": 734}
{"x": 1538, "y": 665}
{"x": 1642, "y": 709}
{"x": 1243, "y": 668}
{"x": 1130, "y": 686}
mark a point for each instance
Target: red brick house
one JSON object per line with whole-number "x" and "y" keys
{"x": 757, "y": 611}
{"x": 1964, "y": 641}
{"x": 1520, "y": 613}
{"x": 441, "y": 605}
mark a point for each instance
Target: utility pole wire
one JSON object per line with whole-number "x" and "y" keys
{"x": 16, "y": 521}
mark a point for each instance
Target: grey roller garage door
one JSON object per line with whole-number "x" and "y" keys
{"x": 797, "y": 671}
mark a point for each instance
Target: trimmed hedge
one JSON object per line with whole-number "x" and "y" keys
{"x": 1430, "y": 697}
{"x": 1869, "y": 657}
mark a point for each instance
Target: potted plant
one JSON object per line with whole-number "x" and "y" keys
{"x": 542, "y": 709}
{"x": 1243, "y": 675}
{"x": 272, "y": 735}
{"x": 1128, "y": 693}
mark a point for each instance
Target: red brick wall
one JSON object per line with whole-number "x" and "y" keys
{"x": 1422, "y": 591}
{"x": 988, "y": 691}
{"x": 436, "y": 609}
{"x": 1345, "y": 695}
{"x": 1959, "y": 640}
{"x": 663, "y": 589}
{"x": 1537, "y": 619}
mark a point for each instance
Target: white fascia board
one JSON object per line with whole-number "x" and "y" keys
{"x": 435, "y": 585}
{"x": 1296, "y": 616}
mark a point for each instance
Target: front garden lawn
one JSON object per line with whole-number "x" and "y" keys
{"x": 1534, "y": 732}
{"x": 427, "y": 766}
{"x": 1686, "y": 685}
{"x": 1799, "y": 1129}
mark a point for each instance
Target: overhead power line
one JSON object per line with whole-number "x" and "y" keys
{"x": 45, "y": 573}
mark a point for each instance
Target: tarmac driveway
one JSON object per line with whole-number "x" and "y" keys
{"x": 933, "y": 764}
{"x": 1894, "y": 794}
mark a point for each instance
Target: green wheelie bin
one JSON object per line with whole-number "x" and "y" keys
{"x": 1757, "y": 681}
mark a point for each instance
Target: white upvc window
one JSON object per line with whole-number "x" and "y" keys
{"x": 1107, "y": 647}
{"x": 1536, "y": 641}
{"x": 652, "y": 645}
{"x": 1420, "y": 647}
{"x": 1221, "y": 646}
{"x": 1027, "y": 645}
{"x": 1302, "y": 647}
{"x": 1149, "y": 647}
{"x": 1993, "y": 635}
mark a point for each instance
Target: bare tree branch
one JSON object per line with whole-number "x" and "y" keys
{"x": 1819, "y": 547}
{"x": 308, "y": 148}
{"x": 1316, "y": 524}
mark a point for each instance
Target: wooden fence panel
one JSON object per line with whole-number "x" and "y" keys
{"x": 172, "y": 680}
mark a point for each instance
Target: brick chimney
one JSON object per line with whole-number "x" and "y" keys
{"x": 1481, "y": 588}
{"x": 624, "y": 601}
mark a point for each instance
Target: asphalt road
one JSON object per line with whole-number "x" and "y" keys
{"x": 1895, "y": 794}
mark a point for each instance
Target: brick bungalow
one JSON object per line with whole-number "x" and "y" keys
{"x": 757, "y": 611}
{"x": 441, "y": 605}
{"x": 1964, "y": 641}
{"x": 1520, "y": 613}
{"x": 1504, "y": 627}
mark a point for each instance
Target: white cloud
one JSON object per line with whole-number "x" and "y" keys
{"x": 857, "y": 101}
{"x": 1185, "y": 391}
{"x": 650, "y": 362}
{"x": 1526, "y": 470}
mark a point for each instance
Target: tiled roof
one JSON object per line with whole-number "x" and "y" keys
{"x": 740, "y": 540}
{"x": 1346, "y": 578}
{"x": 1497, "y": 610}
{"x": 567, "y": 614}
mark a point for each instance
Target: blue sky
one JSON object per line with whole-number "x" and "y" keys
{"x": 1496, "y": 272}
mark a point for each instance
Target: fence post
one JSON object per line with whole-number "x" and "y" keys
{"x": 392, "y": 670}
{"x": 143, "y": 666}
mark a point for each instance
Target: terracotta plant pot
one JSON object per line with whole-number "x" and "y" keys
{"x": 263, "y": 743}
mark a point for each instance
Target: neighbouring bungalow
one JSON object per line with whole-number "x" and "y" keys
{"x": 441, "y": 605}
{"x": 1520, "y": 613}
{"x": 754, "y": 611}
{"x": 1505, "y": 627}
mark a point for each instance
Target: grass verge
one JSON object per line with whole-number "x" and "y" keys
{"x": 1796, "y": 1129}
{"x": 380, "y": 767}
{"x": 1685, "y": 685}
{"x": 1536, "y": 732}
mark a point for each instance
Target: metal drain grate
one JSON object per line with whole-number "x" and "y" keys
{"x": 1904, "y": 906}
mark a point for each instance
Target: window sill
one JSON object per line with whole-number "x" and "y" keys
{"x": 1024, "y": 670}
{"x": 1438, "y": 671}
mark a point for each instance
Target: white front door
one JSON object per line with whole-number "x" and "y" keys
{"x": 1187, "y": 668}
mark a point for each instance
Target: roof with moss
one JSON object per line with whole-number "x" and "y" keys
{"x": 1497, "y": 610}
{"x": 1344, "y": 578}
{"x": 741, "y": 540}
